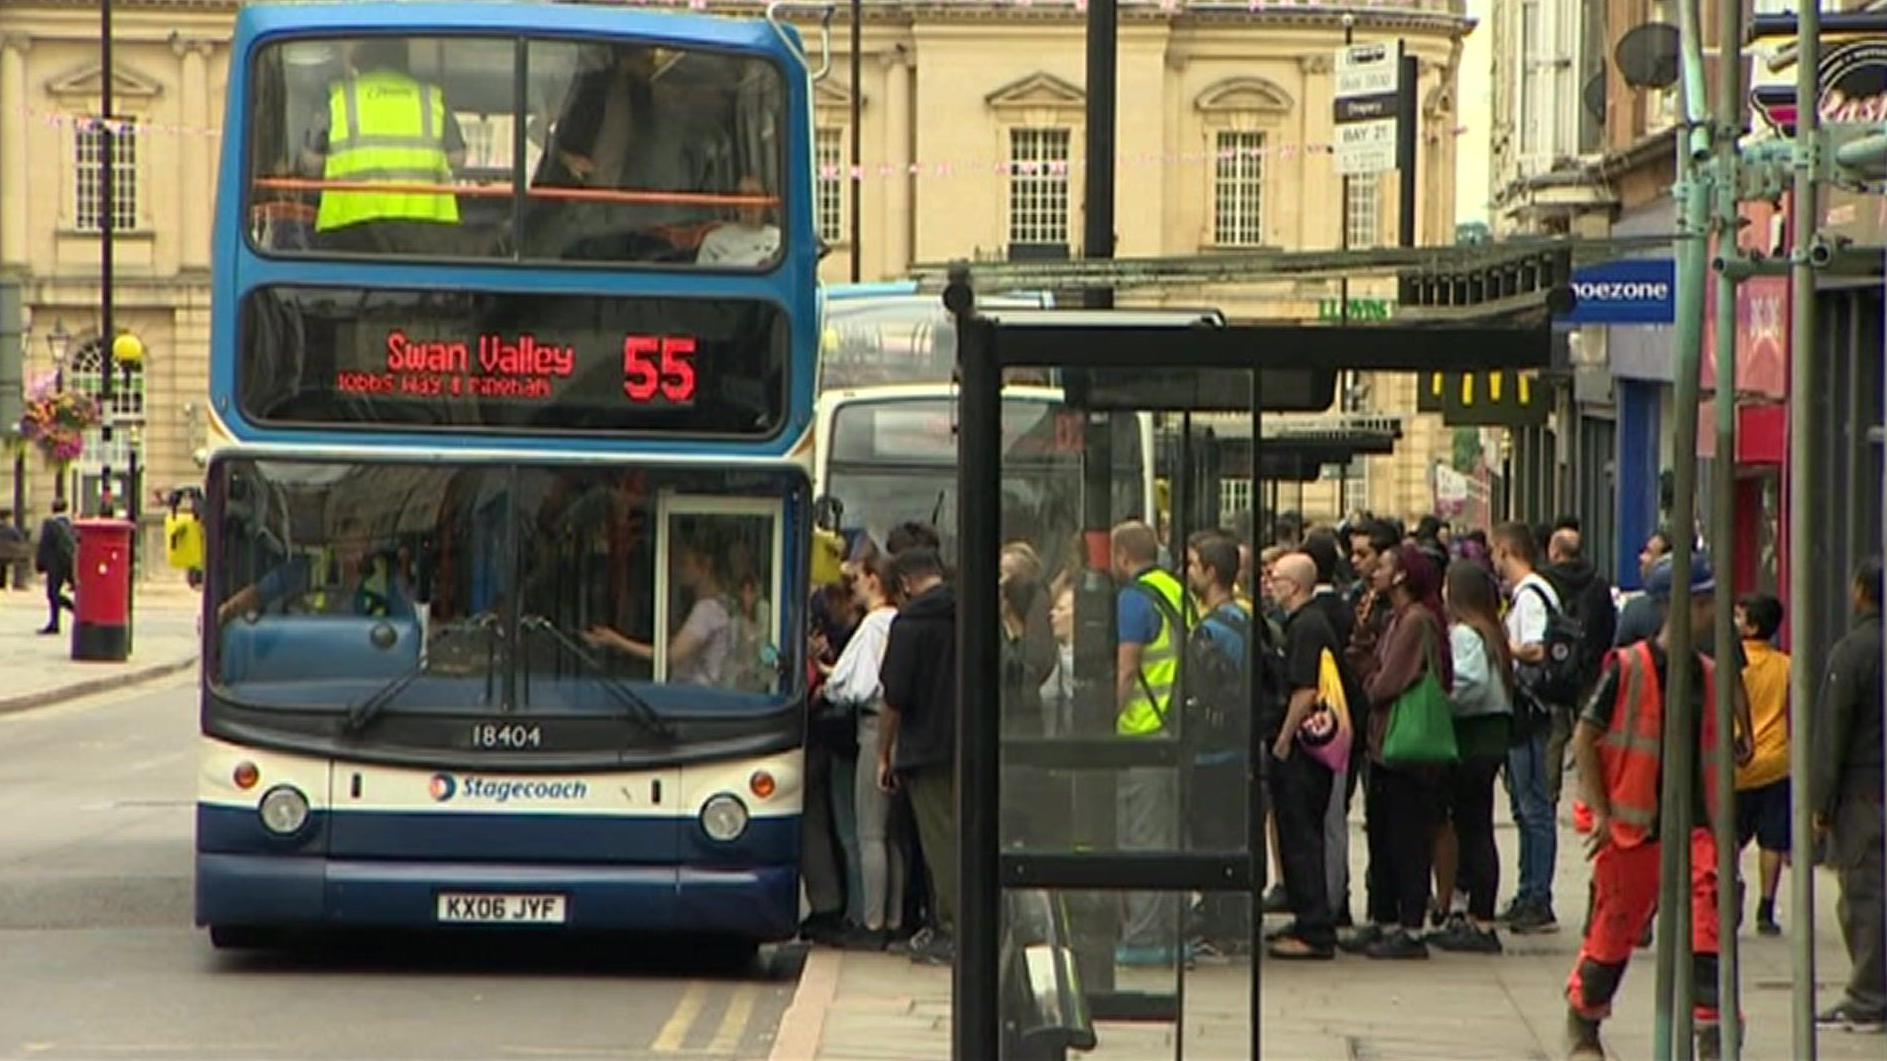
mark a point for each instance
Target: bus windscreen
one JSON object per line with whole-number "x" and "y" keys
{"x": 510, "y": 149}
{"x": 461, "y": 360}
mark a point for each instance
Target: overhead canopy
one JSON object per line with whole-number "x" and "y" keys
{"x": 1477, "y": 309}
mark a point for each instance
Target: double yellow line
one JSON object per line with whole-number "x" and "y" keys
{"x": 673, "y": 1036}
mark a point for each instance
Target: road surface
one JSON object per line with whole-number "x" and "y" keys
{"x": 99, "y": 959}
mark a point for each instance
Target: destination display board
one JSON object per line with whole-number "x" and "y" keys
{"x": 458, "y": 360}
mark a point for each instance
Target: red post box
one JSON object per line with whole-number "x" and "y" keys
{"x": 102, "y": 591}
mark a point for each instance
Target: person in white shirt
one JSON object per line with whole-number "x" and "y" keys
{"x": 749, "y": 239}
{"x": 1529, "y": 599}
{"x": 855, "y": 681}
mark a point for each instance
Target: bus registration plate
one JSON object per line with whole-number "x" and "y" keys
{"x": 488, "y": 908}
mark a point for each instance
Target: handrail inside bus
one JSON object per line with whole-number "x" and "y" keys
{"x": 482, "y": 191}
{"x": 825, "y": 32}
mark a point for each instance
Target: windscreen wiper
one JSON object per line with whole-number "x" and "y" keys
{"x": 637, "y": 706}
{"x": 364, "y": 712}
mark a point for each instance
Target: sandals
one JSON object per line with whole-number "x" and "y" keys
{"x": 1294, "y": 948}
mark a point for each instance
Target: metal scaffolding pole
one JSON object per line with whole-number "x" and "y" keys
{"x": 1803, "y": 476}
{"x": 1729, "y": 131}
{"x": 1675, "y": 986}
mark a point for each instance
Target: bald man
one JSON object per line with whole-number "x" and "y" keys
{"x": 1300, "y": 785}
{"x": 1586, "y": 597}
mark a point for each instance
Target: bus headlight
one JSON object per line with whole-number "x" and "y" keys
{"x": 724, "y": 818}
{"x": 284, "y": 810}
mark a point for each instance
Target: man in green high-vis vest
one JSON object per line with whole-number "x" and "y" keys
{"x": 1149, "y": 615}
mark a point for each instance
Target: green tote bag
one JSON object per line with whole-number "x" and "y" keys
{"x": 1422, "y": 722}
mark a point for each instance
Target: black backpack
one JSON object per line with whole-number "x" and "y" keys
{"x": 1559, "y": 678}
{"x": 1218, "y": 702}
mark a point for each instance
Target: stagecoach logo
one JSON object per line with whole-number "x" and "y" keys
{"x": 1853, "y": 80}
{"x": 444, "y": 787}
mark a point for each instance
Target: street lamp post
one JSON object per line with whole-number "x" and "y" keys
{"x": 128, "y": 351}
{"x": 59, "y": 344}
{"x": 107, "y": 207}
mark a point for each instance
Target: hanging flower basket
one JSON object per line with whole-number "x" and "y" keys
{"x": 56, "y": 421}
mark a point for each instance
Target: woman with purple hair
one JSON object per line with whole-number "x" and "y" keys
{"x": 1403, "y": 801}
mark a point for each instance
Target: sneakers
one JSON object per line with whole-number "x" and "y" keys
{"x": 822, "y": 928}
{"x": 1460, "y": 936}
{"x": 1847, "y": 1016}
{"x": 917, "y": 941}
{"x": 1145, "y": 957}
{"x": 1359, "y": 940}
{"x": 1766, "y": 918}
{"x": 856, "y": 937}
{"x": 1276, "y": 902}
{"x": 1398, "y": 945}
{"x": 1513, "y": 908}
{"x": 1582, "y": 1038}
{"x": 1533, "y": 919}
{"x": 937, "y": 949}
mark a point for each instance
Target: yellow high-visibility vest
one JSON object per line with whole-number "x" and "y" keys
{"x": 1152, "y": 696}
{"x": 386, "y": 127}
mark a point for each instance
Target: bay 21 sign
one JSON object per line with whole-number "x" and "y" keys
{"x": 1628, "y": 291}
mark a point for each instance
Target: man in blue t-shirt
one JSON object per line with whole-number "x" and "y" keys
{"x": 1217, "y": 724}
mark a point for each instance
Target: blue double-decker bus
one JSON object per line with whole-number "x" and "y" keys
{"x": 512, "y": 375}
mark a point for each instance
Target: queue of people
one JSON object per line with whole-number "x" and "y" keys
{"x": 1362, "y": 635}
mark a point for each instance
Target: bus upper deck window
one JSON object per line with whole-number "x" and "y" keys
{"x": 425, "y": 147}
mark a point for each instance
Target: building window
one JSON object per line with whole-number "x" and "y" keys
{"x": 1234, "y": 497}
{"x": 1038, "y": 186}
{"x": 1362, "y": 211}
{"x": 1531, "y": 130}
{"x": 89, "y": 171}
{"x": 86, "y": 375}
{"x": 829, "y": 158}
{"x": 1238, "y": 190}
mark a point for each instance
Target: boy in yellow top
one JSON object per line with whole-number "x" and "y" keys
{"x": 1762, "y": 786}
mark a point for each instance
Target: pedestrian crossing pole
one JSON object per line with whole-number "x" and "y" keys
{"x": 1803, "y": 478}
{"x": 1729, "y": 132}
{"x": 1675, "y": 979}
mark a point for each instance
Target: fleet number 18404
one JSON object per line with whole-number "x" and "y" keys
{"x": 495, "y": 735}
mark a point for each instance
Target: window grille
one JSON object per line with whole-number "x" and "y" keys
{"x": 1238, "y": 190}
{"x": 829, "y": 158}
{"x": 1362, "y": 212}
{"x": 86, "y": 375}
{"x": 88, "y": 178}
{"x": 1038, "y": 186}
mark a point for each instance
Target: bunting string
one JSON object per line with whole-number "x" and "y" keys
{"x": 928, "y": 168}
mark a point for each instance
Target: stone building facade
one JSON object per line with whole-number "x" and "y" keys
{"x": 973, "y": 144}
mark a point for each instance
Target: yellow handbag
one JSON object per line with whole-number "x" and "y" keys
{"x": 1328, "y": 733}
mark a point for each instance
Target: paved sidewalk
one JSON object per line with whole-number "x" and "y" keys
{"x": 878, "y": 1007}
{"x": 36, "y": 670}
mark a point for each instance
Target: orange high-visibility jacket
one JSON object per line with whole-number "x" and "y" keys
{"x": 1632, "y": 749}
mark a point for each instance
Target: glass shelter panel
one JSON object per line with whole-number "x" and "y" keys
{"x": 1127, "y": 722}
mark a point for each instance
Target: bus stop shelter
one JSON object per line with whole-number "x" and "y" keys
{"x": 1039, "y": 865}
